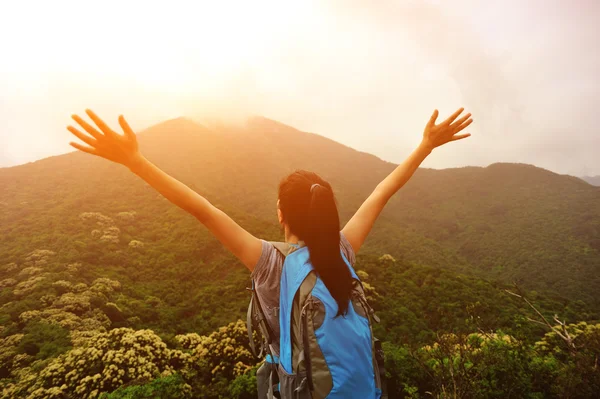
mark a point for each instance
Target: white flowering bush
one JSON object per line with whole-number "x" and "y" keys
{"x": 8, "y": 350}
{"x": 30, "y": 271}
{"x": 73, "y": 268}
{"x": 369, "y": 290}
{"x": 99, "y": 218}
{"x": 74, "y": 303}
{"x": 101, "y": 362}
{"x": 107, "y": 232}
{"x": 136, "y": 244}
{"x": 94, "y": 320}
{"x": 9, "y": 267}
{"x": 110, "y": 239}
{"x": 29, "y": 315}
{"x": 112, "y": 230}
{"x": 39, "y": 257}
{"x": 126, "y": 216}
{"x": 27, "y": 286}
{"x": 387, "y": 259}
{"x": 65, "y": 347}
{"x": 48, "y": 300}
{"x": 105, "y": 285}
{"x": 362, "y": 275}
{"x": 224, "y": 353}
{"x": 110, "y": 234}
{"x": 8, "y": 282}
{"x": 106, "y": 362}
{"x": 80, "y": 287}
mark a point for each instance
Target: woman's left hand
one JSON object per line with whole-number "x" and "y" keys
{"x": 437, "y": 135}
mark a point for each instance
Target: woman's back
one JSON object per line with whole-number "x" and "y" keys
{"x": 267, "y": 277}
{"x": 306, "y": 210}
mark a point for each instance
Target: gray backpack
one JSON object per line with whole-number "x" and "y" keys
{"x": 321, "y": 356}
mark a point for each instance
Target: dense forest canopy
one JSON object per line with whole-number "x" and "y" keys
{"x": 95, "y": 264}
{"x": 512, "y": 222}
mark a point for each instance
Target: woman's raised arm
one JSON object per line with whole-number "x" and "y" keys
{"x": 358, "y": 227}
{"x": 123, "y": 149}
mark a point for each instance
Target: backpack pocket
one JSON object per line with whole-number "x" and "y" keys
{"x": 293, "y": 386}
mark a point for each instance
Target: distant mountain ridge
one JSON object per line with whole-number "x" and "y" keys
{"x": 593, "y": 180}
{"x": 512, "y": 222}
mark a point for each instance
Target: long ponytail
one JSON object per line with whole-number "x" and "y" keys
{"x": 309, "y": 209}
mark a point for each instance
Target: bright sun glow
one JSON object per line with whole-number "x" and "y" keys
{"x": 365, "y": 73}
{"x": 169, "y": 46}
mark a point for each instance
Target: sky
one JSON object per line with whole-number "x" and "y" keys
{"x": 365, "y": 73}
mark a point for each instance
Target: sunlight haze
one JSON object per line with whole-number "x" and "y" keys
{"x": 366, "y": 74}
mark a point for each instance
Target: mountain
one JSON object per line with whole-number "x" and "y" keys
{"x": 593, "y": 180}
{"x": 105, "y": 287}
{"x": 508, "y": 222}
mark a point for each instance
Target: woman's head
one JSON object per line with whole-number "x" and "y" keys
{"x": 307, "y": 208}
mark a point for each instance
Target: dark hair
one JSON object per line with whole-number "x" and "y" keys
{"x": 309, "y": 209}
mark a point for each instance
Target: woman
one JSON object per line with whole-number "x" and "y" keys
{"x": 306, "y": 210}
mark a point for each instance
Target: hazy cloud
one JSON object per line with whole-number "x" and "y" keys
{"x": 367, "y": 74}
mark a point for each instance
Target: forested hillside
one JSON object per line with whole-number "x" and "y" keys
{"x": 104, "y": 284}
{"x": 512, "y": 222}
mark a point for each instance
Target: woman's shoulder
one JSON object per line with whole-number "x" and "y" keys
{"x": 273, "y": 255}
{"x": 270, "y": 262}
{"x": 347, "y": 249}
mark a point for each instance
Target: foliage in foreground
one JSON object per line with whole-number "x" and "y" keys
{"x": 136, "y": 364}
{"x": 496, "y": 365}
{"x": 67, "y": 332}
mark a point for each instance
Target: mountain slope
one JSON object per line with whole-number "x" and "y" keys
{"x": 512, "y": 222}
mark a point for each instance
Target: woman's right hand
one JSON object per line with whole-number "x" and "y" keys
{"x": 123, "y": 149}
{"x": 119, "y": 148}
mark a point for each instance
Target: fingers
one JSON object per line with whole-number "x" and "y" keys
{"x": 126, "y": 129}
{"x": 453, "y": 116}
{"x": 460, "y": 136}
{"x": 461, "y": 120}
{"x": 83, "y": 137}
{"x": 87, "y": 127}
{"x": 462, "y": 125}
{"x": 83, "y": 148}
{"x": 100, "y": 123}
{"x": 433, "y": 117}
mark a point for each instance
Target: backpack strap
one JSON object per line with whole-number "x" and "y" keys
{"x": 255, "y": 311}
{"x": 255, "y": 314}
{"x": 377, "y": 350}
{"x": 249, "y": 326}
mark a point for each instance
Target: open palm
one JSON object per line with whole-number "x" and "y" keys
{"x": 445, "y": 132}
{"x": 106, "y": 143}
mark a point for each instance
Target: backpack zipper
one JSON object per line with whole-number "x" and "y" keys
{"x": 377, "y": 351}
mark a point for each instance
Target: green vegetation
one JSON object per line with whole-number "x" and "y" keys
{"x": 496, "y": 365}
{"x": 172, "y": 386}
{"x": 506, "y": 222}
{"x": 75, "y": 336}
{"x": 44, "y": 340}
{"x": 108, "y": 290}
